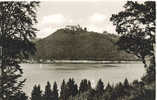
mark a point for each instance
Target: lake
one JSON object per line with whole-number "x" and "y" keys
{"x": 113, "y": 73}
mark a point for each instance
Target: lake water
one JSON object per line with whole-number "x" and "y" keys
{"x": 113, "y": 73}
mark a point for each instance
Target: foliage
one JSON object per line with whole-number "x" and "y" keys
{"x": 19, "y": 96}
{"x": 55, "y": 92}
{"x": 89, "y": 85}
{"x": 36, "y": 93}
{"x": 63, "y": 45}
{"x": 72, "y": 87}
{"x": 63, "y": 91}
{"x": 83, "y": 86}
{"x": 126, "y": 83}
{"x": 48, "y": 92}
{"x": 151, "y": 73}
{"x": 136, "y": 90}
{"x": 16, "y": 31}
{"x": 136, "y": 25}
{"x": 100, "y": 87}
{"x": 74, "y": 29}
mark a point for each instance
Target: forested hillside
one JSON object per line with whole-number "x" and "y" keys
{"x": 75, "y": 43}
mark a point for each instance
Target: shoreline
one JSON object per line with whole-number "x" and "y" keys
{"x": 83, "y": 62}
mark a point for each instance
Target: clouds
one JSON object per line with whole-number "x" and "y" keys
{"x": 93, "y": 15}
{"x": 53, "y": 19}
{"x": 46, "y": 31}
{"x": 97, "y": 18}
{"x": 58, "y": 19}
{"x": 95, "y": 28}
{"x": 98, "y": 22}
{"x": 50, "y": 23}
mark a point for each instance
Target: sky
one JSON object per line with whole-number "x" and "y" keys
{"x": 93, "y": 14}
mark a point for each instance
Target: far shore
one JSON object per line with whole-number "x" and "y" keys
{"x": 82, "y": 62}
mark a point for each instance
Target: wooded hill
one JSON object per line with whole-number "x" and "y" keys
{"x": 74, "y": 43}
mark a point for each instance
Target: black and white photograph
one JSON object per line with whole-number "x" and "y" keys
{"x": 78, "y": 50}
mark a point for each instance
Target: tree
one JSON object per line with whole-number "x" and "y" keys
{"x": 100, "y": 88}
{"x": 19, "y": 96}
{"x": 63, "y": 92}
{"x": 108, "y": 92}
{"x": 150, "y": 76}
{"x": 105, "y": 32}
{"x": 89, "y": 85}
{"x": 91, "y": 95}
{"x": 126, "y": 83}
{"x": 16, "y": 32}
{"x": 85, "y": 29}
{"x": 55, "y": 91}
{"x": 83, "y": 86}
{"x": 36, "y": 93}
{"x": 74, "y": 29}
{"x": 72, "y": 87}
{"x": 118, "y": 90}
{"x": 136, "y": 26}
{"x": 48, "y": 92}
{"x": 108, "y": 88}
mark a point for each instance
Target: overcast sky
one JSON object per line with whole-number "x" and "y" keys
{"x": 93, "y": 14}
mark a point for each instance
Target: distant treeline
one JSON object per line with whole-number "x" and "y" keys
{"x": 137, "y": 90}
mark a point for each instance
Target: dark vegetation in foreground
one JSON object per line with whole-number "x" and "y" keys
{"x": 137, "y": 90}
